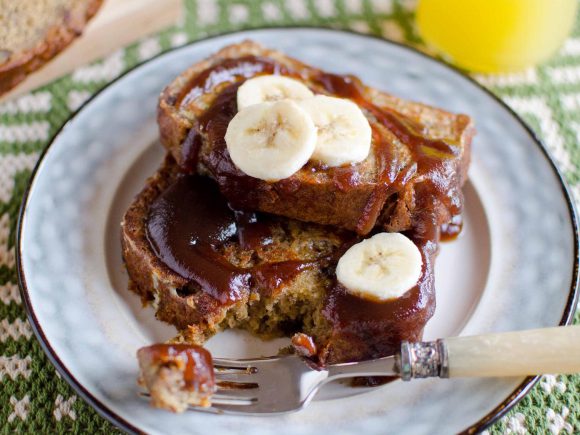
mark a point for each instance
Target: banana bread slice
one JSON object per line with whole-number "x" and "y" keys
{"x": 32, "y": 33}
{"x": 412, "y": 144}
{"x": 205, "y": 268}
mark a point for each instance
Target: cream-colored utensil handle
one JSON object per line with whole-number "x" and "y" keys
{"x": 532, "y": 352}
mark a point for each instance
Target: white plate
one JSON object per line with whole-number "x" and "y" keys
{"x": 514, "y": 267}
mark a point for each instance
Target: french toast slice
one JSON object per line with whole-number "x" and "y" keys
{"x": 292, "y": 289}
{"x": 198, "y": 314}
{"x": 413, "y": 144}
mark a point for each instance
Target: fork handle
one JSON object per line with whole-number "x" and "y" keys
{"x": 532, "y": 352}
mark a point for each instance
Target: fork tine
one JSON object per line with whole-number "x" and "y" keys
{"x": 234, "y": 398}
{"x": 234, "y": 371}
{"x": 253, "y": 408}
{"x": 234, "y": 394}
{"x": 244, "y": 362}
{"x": 233, "y": 385}
{"x": 217, "y": 399}
{"x": 233, "y": 365}
{"x": 209, "y": 409}
{"x": 217, "y": 409}
{"x": 233, "y": 375}
{"x": 233, "y": 409}
{"x": 276, "y": 385}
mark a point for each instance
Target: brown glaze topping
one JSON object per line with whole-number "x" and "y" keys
{"x": 451, "y": 230}
{"x": 194, "y": 361}
{"x": 353, "y": 314}
{"x": 431, "y": 160}
{"x": 228, "y": 71}
{"x": 190, "y": 149}
{"x": 403, "y": 317}
{"x": 304, "y": 345}
{"x": 272, "y": 276}
{"x": 189, "y": 223}
{"x": 186, "y": 225}
{"x": 254, "y": 230}
{"x": 191, "y": 220}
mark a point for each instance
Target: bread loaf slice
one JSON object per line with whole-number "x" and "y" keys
{"x": 196, "y": 313}
{"x": 32, "y": 33}
{"x": 195, "y": 108}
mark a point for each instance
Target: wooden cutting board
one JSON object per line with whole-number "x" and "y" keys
{"x": 118, "y": 23}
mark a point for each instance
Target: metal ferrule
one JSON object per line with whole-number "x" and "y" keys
{"x": 423, "y": 360}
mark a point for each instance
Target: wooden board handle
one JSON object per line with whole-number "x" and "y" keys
{"x": 532, "y": 352}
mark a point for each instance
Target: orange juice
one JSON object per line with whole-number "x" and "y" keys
{"x": 496, "y": 35}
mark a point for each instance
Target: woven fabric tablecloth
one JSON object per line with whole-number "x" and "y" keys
{"x": 33, "y": 398}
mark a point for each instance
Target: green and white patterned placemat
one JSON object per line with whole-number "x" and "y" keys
{"x": 33, "y": 398}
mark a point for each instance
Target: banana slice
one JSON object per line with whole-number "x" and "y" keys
{"x": 271, "y": 141}
{"x": 383, "y": 267}
{"x": 271, "y": 88}
{"x": 344, "y": 133}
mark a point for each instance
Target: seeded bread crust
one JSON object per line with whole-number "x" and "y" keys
{"x": 51, "y": 38}
{"x": 315, "y": 197}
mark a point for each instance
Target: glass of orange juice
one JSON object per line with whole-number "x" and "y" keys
{"x": 496, "y": 35}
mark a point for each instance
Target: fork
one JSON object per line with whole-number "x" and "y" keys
{"x": 283, "y": 384}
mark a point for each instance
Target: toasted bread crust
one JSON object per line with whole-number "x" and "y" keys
{"x": 57, "y": 38}
{"x": 316, "y": 198}
{"x": 151, "y": 278}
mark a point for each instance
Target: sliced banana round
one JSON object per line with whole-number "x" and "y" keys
{"x": 344, "y": 133}
{"x": 380, "y": 268}
{"x": 271, "y": 88}
{"x": 271, "y": 141}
